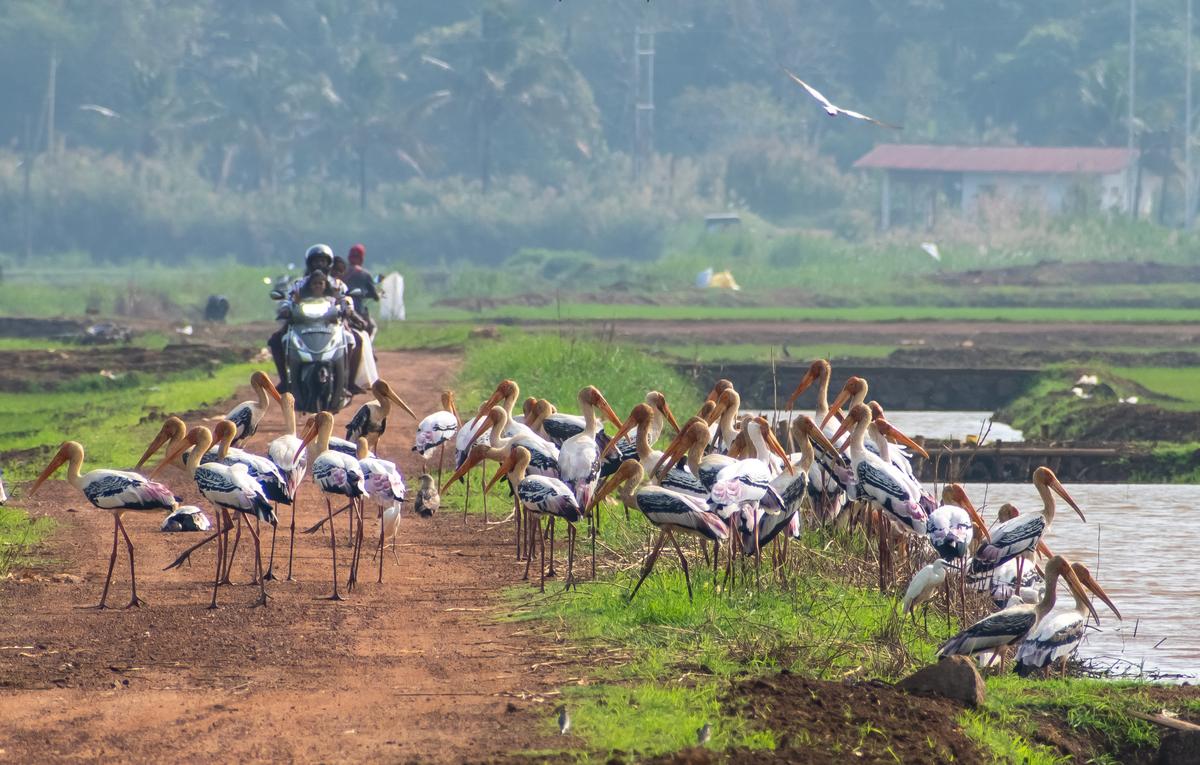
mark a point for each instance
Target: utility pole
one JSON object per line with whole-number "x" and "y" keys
{"x": 643, "y": 109}
{"x": 1188, "y": 190}
{"x": 1130, "y": 180}
{"x": 51, "y": 98}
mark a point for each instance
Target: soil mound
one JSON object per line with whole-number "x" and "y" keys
{"x": 1056, "y": 273}
{"x": 817, "y": 721}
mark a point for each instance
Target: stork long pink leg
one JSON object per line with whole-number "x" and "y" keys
{"x": 112, "y": 562}
{"x": 135, "y": 600}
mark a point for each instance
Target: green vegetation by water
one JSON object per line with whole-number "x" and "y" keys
{"x": 657, "y": 669}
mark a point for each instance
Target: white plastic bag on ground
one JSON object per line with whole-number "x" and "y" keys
{"x": 368, "y": 373}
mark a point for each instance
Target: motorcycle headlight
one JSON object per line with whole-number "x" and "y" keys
{"x": 314, "y": 310}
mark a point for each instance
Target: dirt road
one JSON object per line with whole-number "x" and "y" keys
{"x": 416, "y": 669}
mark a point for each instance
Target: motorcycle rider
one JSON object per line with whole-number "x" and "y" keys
{"x": 318, "y": 258}
{"x": 359, "y": 278}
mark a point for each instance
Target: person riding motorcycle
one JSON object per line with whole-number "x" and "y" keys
{"x": 359, "y": 278}
{"x": 319, "y": 258}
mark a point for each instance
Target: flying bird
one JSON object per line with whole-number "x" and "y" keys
{"x": 833, "y": 110}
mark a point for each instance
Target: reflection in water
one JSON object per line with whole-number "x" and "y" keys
{"x": 1136, "y": 542}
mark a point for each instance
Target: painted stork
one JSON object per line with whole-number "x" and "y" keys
{"x": 288, "y": 455}
{"x": 793, "y": 487}
{"x": 186, "y": 518}
{"x": 579, "y": 456}
{"x": 668, "y": 510}
{"x": 691, "y": 443}
{"x": 1058, "y": 635}
{"x": 1010, "y": 626}
{"x": 1022, "y": 534}
{"x": 725, "y": 429}
{"x": 263, "y": 470}
{"x": 371, "y": 418}
{"x": 627, "y": 448}
{"x": 437, "y": 429}
{"x": 953, "y": 525}
{"x": 541, "y": 495}
{"x": 116, "y": 491}
{"x": 827, "y": 492}
{"x": 248, "y": 414}
{"x": 877, "y": 480}
{"x": 386, "y": 486}
{"x": 428, "y": 500}
{"x": 335, "y": 473}
{"x": 544, "y": 455}
{"x": 171, "y": 434}
{"x": 229, "y": 487}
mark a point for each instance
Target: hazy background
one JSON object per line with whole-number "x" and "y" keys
{"x": 459, "y": 134}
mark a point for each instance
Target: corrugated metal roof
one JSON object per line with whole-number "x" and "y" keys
{"x": 995, "y": 159}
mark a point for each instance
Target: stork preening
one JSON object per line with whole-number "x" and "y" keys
{"x": 116, "y": 491}
{"x": 438, "y": 429}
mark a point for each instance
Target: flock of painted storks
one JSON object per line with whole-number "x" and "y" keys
{"x": 724, "y": 477}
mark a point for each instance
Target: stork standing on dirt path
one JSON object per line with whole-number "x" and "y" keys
{"x": 288, "y": 455}
{"x": 116, "y": 491}
{"x": 248, "y": 414}
{"x": 579, "y": 457}
{"x": 336, "y": 474}
{"x": 371, "y": 418}
{"x": 386, "y": 486}
{"x": 229, "y": 487}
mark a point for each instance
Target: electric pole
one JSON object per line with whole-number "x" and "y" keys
{"x": 1133, "y": 163}
{"x": 643, "y": 111}
{"x": 1188, "y": 191}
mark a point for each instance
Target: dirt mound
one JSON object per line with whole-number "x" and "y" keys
{"x": 22, "y": 371}
{"x": 817, "y": 721}
{"x": 1055, "y": 273}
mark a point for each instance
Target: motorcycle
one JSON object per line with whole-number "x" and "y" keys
{"x": 316, "y": 352}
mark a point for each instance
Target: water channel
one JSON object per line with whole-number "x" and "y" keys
{"x": 1137, "y": 541}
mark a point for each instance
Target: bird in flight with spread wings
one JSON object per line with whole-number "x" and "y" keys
{"x": 834, "y": 110}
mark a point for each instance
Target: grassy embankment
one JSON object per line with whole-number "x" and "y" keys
{"x": 1159, "y": 431}
{"x": 654, "y": 671}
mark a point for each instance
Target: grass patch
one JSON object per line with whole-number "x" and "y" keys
{"x": 1181, "y": 383}
{"x": 409, "y": 336}
{"x": 114, "y": 420}
{"x": 577, "y": 311}
{"x": 18, "y": 532}
{"x": 555, "y": 368}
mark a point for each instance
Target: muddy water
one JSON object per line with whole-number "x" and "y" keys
{"x": 942, "y": 425}
{"x": 1139, "y": 542}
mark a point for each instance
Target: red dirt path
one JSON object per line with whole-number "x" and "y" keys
{"x": 416, "y": 669}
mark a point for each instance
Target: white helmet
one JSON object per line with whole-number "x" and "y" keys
{"x": 318, "y": 251}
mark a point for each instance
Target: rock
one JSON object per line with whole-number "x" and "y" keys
{"x": 954, "y": 677}
{"x": 1180, "y": 747}
{"x": 66, "y": 579}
